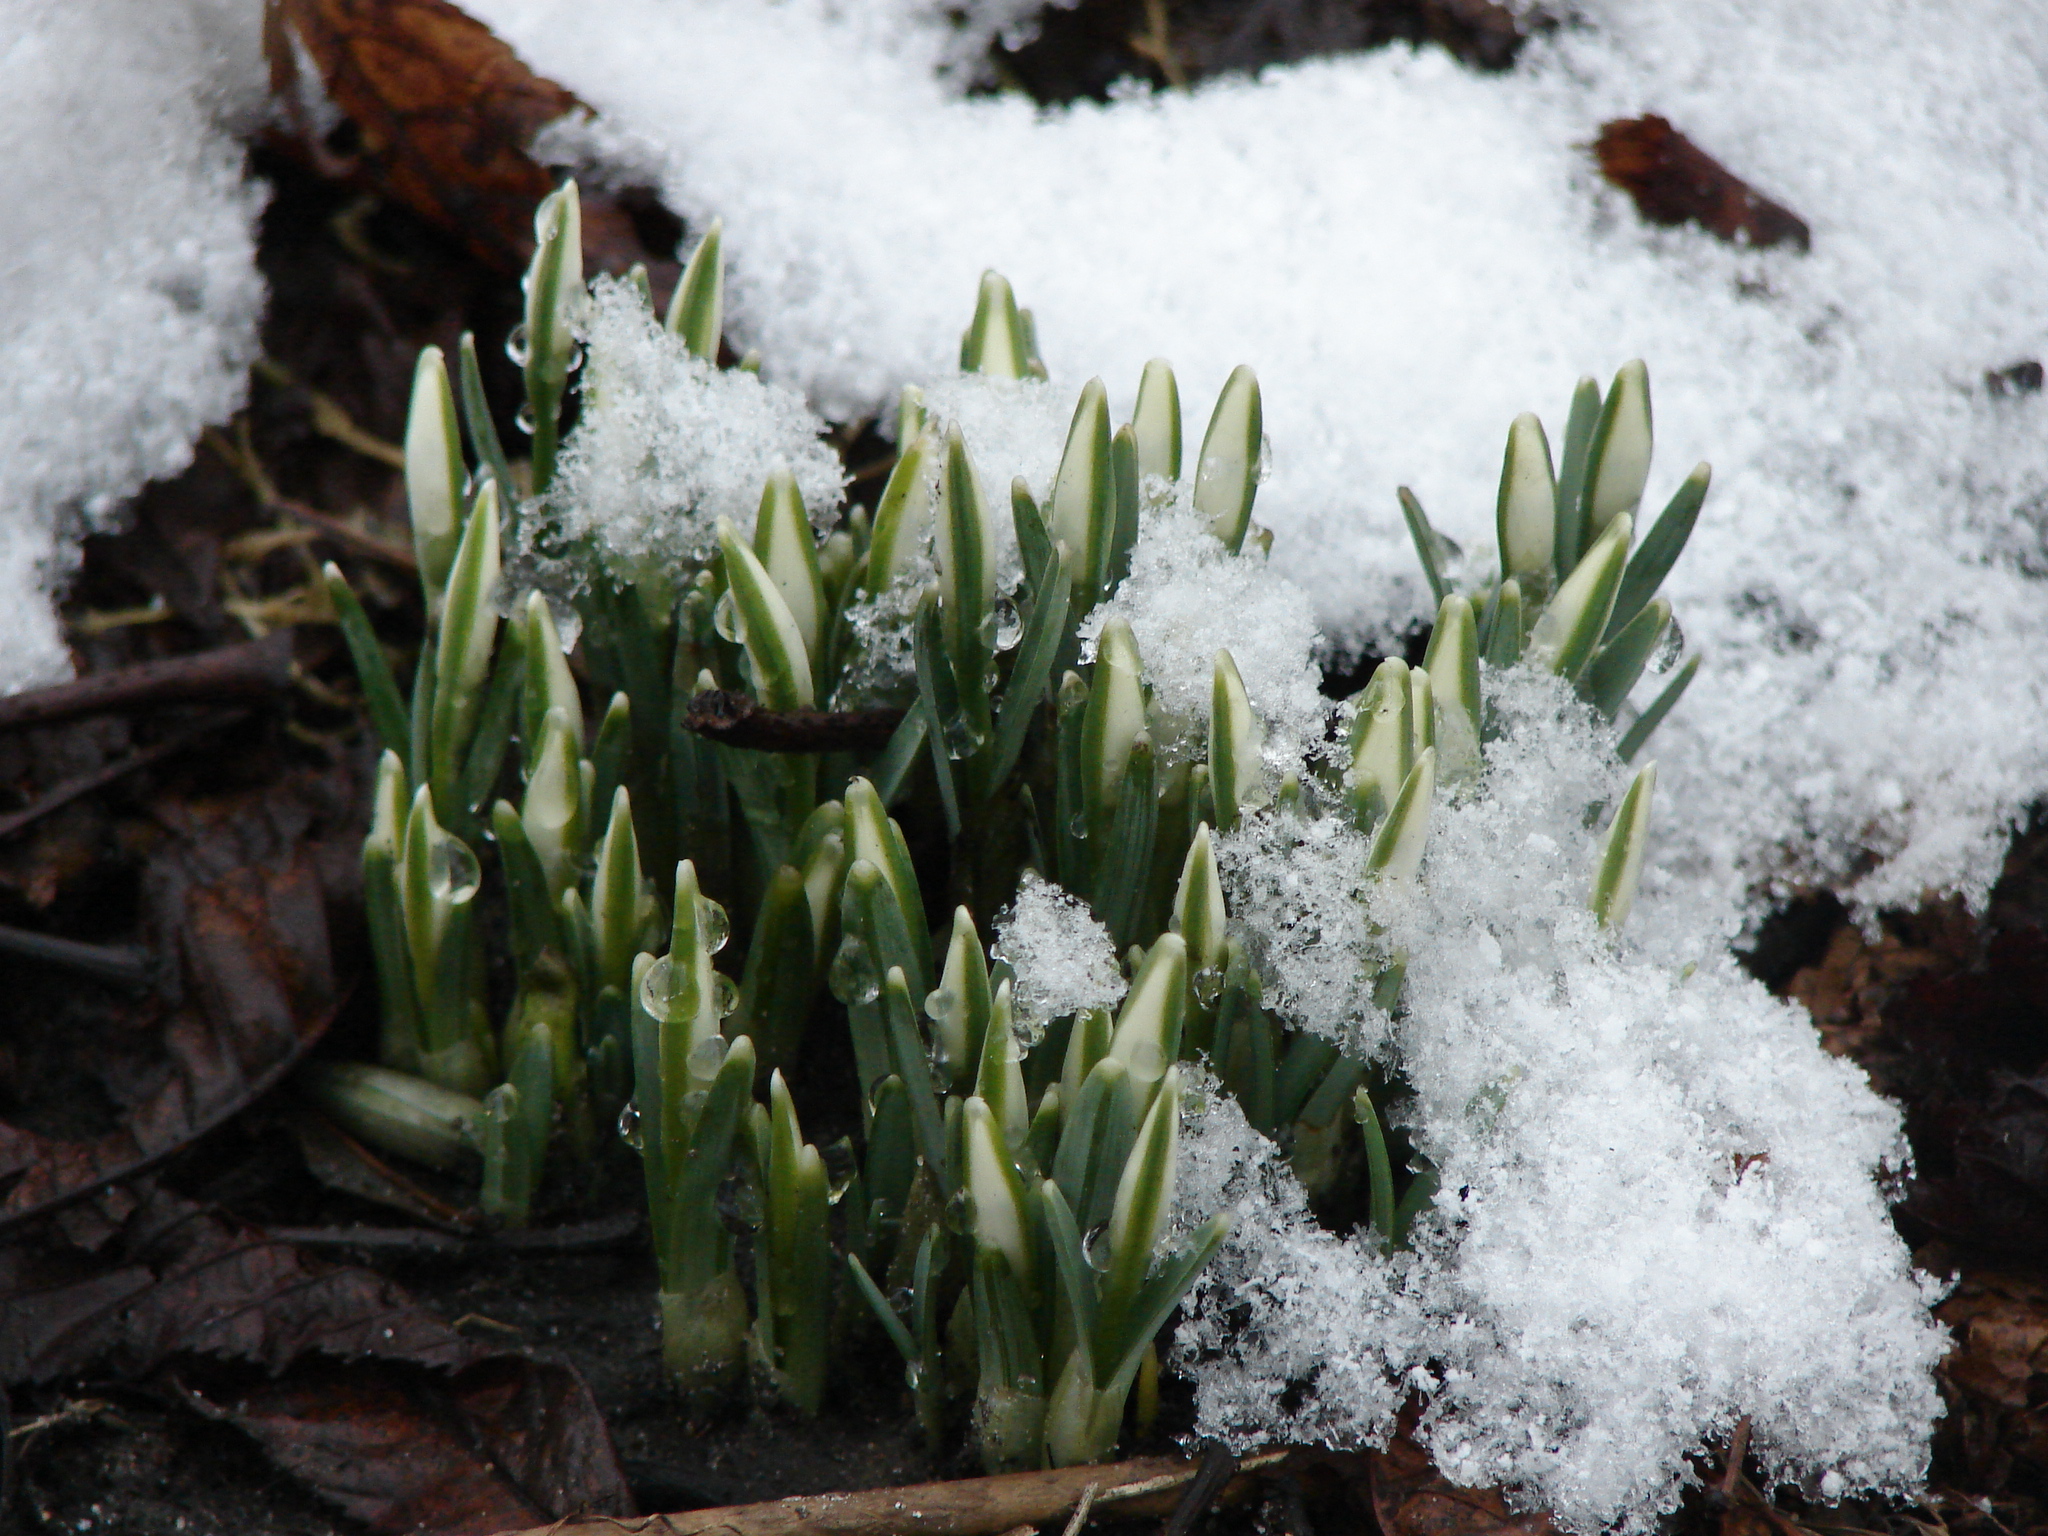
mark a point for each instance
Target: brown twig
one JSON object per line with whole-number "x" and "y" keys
{"x": 737, "y": 721}
{"x": 1145, "y": 1488}
{"x": 577, "y": 1237}
{"x": 124, "y": 967}
{"x": 85, "y": 783}
{"x": 255, "y": 669}
{"x": 354, "y": 540}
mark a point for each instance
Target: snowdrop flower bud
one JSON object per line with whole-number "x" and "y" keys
{"x": 697, "y": 311}
{"x": 1569, "y": 630}
{"x": 1618, "y": 460}
{"x": 775, "y": 644}
{"x": 1156, "y": 422}
{"x": 1083, "y": 507}
{"x": 1452, "y": 663}
{"x": 1525, "y": 516}
{"x": 1382, "y": 743}
{"x": 1144, "y": 1195}
{"x": 469, "y": 629}
{"x": 434, "y": 472}
{"x": 1620, "y": 869}
{"x": 549, "y": 683}
{"x": 1198, "y": 913}
{"x": 1116, "y": 714}
{"x": 992, "y": 1183}
{"x": 552, "y": 812}
{"x": 789, "y": 553}
{"x": 1147, "y": 1038}
{"x": 1227, "y": 475}
{"x": 1234, "y": 768}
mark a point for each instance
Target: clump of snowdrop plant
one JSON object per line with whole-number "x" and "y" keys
{"x": 1135, "y": 949}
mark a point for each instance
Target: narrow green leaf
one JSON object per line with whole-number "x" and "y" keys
{"x": 1620, "y": 662}
{"x": 788, "y": 551}
{"x": 1572, "y": 537}
{"x": 1125, "y": 480}
{"x": 373, "y": 668}
{"x": 1397, "y": 846}
{"x": 1647, "y": 722}
{"x": 1452, "y": 662}
{"x": 1235, "y": 770}
{"x": 484, "y": 443}
{"x": 1618, "y": 455}
{"x": 1430, "y": 547}
{"x": 1045, "y": 631}
{"x": 1660, "y": 549}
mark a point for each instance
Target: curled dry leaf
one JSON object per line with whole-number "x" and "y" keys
{"x": 444, "y": 116}
{"x": 375, "y": 1403}
{"x": 1674, "y": 181}
{"x": 236, "y": 902}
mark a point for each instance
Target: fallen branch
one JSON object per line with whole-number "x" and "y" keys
{"x": 1146, "y": 1488}
{"x": 255, "y": 669}
{"x": 737, "y": 721}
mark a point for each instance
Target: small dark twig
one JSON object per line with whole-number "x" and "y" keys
{"x": 122, "y": 966}
{"x": 576, "y": 1237}
{"x": 85, "y": 783}
{"x": 255, "y": 669}
{"x": 1219, "y": 1466}
{"x": 1738, "y": 1448}
{"x": 737, "y": 721}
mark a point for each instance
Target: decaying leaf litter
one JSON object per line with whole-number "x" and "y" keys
{"x": 211, "y": 854}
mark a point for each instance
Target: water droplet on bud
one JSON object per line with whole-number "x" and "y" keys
{"x": 516, "y": 346}
{"x": 524, "y": 419}
{"x": 629, "y": 1125}
{"x": 852, "y": 977}
{"x": 727, "y": 620}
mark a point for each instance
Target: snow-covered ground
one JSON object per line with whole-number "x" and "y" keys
{"x": 127, "y": 271}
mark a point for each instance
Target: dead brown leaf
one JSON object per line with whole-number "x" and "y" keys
{"x": 1674, "y": 181}
{"x": 1411, "y": 1498}
{"x": 375, "y": 1403}
{"x": 444, "y": 116}
{"x": 236, "y": 897}
{"x": 1996, "y": 1377}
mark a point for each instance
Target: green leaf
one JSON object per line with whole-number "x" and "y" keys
{"x": 1431, "y": 548}
{"x": 1572, "y": 538}
{"x": 1647, "y": 722}
{"x": 967, "y": 579}
{"x": 885, "y": 1314}
{"x": 1379, "y": 1168}
{"x": 1396, "y": 852}
{"x": 781, "y": 970}
{"x": 1045, "y": 631}
{"x": 1504, "y": 636}
{"x": 1620, "y": 662}
{"x": 789, "y": 553}
{"x": 1660, "y": 549}
{"x": 1125, "y": 477}
{"x": 484, "y": 444}
{"x": 373, "y": 668}
{"x": 1123, "y": 854}
{"x": 891, "y": 771}
{"x": 1077, "y": 1279}
{"x": 908, "y": 1058}
{"x": 1452, "y": 663}
{"x": 467, "y": 640}
{"x": 903, "y": 517}
{"x": 554, "y": 287}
